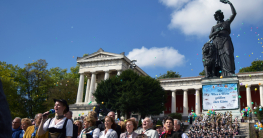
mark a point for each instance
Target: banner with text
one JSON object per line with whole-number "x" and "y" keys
{"x": 222, "y": 96}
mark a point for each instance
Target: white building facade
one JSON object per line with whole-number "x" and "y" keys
{"x": 184, "y": 94}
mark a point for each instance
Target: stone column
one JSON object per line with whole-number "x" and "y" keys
{"x": 185, "y": 104}
{"x": 197, "y": 101}
{"x": 87, "y": 91}
{"x": 173, "y": 101}
{"x": 119, "y": 72}
{"x": 80, "y": 89}
{"x": 261, "y": 94}
{"x": 107, "y": 75}
{"x": 249, "y": 96}
{"x": 92, "y": 85}
{"x": 96, "y": 84}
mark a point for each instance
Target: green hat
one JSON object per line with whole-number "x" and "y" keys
{"x": 159, "y": 123}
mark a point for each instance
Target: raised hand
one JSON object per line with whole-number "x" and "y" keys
{"x": 224, "y": 1}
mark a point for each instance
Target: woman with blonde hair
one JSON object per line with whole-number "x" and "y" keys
{"x": 122, "y": 124}
{"x": 90, "y": 130}
{"x": 79, "y": 124}
{"x": 25, "y": 123}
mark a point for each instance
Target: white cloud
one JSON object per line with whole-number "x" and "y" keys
{"x": 195, "y": 17}
{"x": 162, "y": 57}
{"x": 174, "y": 3}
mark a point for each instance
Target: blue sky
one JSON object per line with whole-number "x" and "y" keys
{"x": 170, "y": 33}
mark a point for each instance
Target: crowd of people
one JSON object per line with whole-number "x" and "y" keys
{"x": 62, "y": 126}
{"x": 215, "y": 126}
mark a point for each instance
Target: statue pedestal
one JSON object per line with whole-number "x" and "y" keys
{"x": 221, "y": 95}
{"x": 81, "y": 109}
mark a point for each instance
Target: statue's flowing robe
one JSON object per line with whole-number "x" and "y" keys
{"x": 225, "y": 49}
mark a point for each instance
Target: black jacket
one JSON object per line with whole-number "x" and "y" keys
{"x": 5, "y": 116}
{"x": 75, "y": 131}
{"x": 173, "y": 135}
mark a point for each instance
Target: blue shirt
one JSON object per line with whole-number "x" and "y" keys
{"x": 16, "y": 132}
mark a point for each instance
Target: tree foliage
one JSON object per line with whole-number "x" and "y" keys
{"x": 202, "y": 73}
{"x": 63, "y": 89}
{"x": 255, "y": 66}
{"x": 170, "y": 74}
{"x": 10, "y": 78}
{"x": 130, "y": 92}
{"x": 31, "y": 89}
{"x": 85, "y": 55}
{"x": 259, "y": 114}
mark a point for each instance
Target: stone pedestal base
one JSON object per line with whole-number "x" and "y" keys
{"x": 81, "y": 109}
{"x": 226, "y": 80}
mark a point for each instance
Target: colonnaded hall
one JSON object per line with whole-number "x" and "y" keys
{"x": 184, "y": 94}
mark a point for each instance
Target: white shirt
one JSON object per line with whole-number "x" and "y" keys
{"x": 109, "y": 134}
{"x": 59, "y": 125}
{"x": 184, "y": 135}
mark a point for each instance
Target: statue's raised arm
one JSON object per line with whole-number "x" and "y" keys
{"x": 234, "y": 13}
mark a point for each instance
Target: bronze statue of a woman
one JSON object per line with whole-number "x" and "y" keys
{"x": 220, "y": 34}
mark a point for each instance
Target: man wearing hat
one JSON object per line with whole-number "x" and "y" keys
{"x": 159, "y": 128}
{"x": 60, "y": 126}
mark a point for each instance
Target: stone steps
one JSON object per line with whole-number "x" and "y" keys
{"x": 187, "y": 129}
{"x": 244, "y": 129}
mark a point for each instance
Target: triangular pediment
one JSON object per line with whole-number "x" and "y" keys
{"x": 100, "y": 55}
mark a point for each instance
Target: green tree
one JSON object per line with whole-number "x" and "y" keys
{"x": 12, "y": 87}
{"x": 255, "y": 66}
{"x": 36, "y": 84}
{"x": 85, "y": 55}
{"x": 64, "y": 89}
{"x": 31, "y": 89}
{"x": 170, "y": 74}
{"x": 202, "y": 73}
{"x": 130, "y": 92}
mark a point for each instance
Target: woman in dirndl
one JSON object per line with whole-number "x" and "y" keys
{"x": 60, "y": 126}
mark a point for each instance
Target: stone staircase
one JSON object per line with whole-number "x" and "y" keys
{"x": 187, "y": 129}
{"x": 244, "y": 130}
